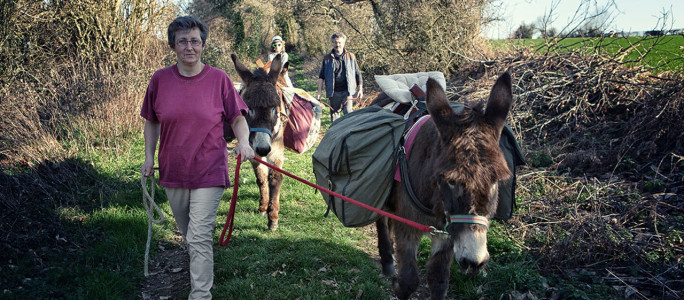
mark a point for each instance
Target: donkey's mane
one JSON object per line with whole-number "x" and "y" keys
{"x": 260, "y": 89}
{"x": 260, "y": 74}
{"x": 472, "y": 112}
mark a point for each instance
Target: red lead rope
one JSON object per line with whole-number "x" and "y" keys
{"x": 231, "y": 212}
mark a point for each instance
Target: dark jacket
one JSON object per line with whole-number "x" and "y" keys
{"x": 353, "y": 74}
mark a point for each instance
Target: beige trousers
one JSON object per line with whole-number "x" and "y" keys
{"x": 195, "y": 214}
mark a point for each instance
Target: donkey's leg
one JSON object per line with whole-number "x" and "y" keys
{"x": 275, "y": 181}
{"x": 406, "y": 243}
{"x": 385, "y": 247}
{"x": 261, "y": 173}
{"x": 438, "y": 267}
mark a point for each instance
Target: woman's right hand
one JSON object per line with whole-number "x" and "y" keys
{"x": 245, "y": 151}
{"x": 147, "y": 168}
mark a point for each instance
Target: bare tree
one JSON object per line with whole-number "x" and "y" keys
{"x": 388, "y": 36}
{"x": 544, "y": 22}
{"x": 410, "y": 36}
{"x": 589, "y": 17}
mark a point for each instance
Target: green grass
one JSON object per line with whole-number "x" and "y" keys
{"x": 309, "y": 256}
{"x": 660, "y": 54}
{"x": 303, "y": 80}
{"x": 99, "y": 258}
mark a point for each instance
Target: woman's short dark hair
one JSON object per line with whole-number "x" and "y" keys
{"x": 187, "y": 23}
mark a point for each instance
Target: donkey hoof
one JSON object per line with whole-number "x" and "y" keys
{"x": 273, "y": 225}
{"x": 263, "y": 213}
{"x": 388, "y": 270}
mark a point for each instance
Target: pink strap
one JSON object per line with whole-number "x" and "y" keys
{"x": 410, "y": 136}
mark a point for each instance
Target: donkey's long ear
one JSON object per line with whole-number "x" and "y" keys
{"x": 276, "y": 67}
{"x": 242, "y": 71}
{"x": 500, "y": 100}
{"x": 437, "y": 103}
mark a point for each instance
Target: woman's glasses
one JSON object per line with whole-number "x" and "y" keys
{"x": 192, "y": 42}
{"x": 276, "y": 44}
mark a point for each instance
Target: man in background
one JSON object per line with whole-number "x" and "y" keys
{"x": 342, "y": 78}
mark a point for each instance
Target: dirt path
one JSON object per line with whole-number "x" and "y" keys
{"x": 169, "y": 276}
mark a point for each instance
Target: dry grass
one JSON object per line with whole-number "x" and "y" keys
{"x": 78, "y": 76}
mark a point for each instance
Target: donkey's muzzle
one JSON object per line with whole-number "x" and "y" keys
{"x": 471, "y": 267}
{"x": 261, "y": 142}
{"x": 262, "y": 151}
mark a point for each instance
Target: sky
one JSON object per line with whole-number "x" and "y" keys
{"x": 626, "y": 15}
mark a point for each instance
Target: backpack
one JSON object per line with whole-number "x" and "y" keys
{"x": 514, "y": 157}
{"x": 356, "y": 158}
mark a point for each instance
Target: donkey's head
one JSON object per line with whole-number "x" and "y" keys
{"x": 264, "y": 101}
{"x": 469, "y": 168}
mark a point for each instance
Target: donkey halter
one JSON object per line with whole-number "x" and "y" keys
{"x": 467, "y": 219}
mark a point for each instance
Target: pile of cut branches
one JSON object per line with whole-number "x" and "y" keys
{"x": 597, "y": 112}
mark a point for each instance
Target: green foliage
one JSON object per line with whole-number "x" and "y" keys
{"x": 248, "y": 24}
{"x": 539, "y": 159}
{"x": 303, "y": 80}
{"x": 514, "y": 272}
{"x": 584, "y": 285}
{"x": 653, "y": 186}
{"x": 88, "y": 250}
{"x": 397, "y": 36}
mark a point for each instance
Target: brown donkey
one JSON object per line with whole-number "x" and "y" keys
{"x": 454, "y": 167}
{"x": 267, "y": 118}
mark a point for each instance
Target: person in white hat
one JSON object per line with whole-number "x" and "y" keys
{"x": 278, "y": 47}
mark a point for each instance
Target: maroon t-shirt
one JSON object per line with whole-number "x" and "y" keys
{"x": 191, "y": 111}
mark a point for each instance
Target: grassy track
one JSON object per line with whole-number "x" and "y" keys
{"x": 309, "y": 257}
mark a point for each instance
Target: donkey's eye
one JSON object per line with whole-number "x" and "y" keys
{"x": 274, "y": 112}
{"x": 250, "y": 113}
{"x": 455, "y": 188}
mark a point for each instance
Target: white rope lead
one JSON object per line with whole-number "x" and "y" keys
{"x": 150, "y": 207}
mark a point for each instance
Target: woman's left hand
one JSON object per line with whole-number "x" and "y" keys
{"x": 245, "y": 151}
